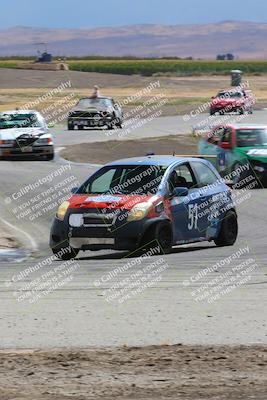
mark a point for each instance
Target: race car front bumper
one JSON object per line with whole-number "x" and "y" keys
{"x": 226, "y": 109}
{"x": 122, "y": 235}
{"x": 32, "y": 151}
{"x": 90, "y": 122}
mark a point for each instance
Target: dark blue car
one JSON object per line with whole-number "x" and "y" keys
{"x": 140, "y": 202}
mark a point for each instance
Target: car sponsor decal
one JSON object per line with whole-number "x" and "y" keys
{"x": 257, "y": 152}
{"x": 102, "y": 199}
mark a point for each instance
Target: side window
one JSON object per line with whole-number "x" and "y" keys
{"x": 205, "y": 175}
{"x": 182, "y": 176}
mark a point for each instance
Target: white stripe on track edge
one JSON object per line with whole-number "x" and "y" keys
{"x": 30, "y": 238}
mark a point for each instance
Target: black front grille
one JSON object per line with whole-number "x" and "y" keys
{"x": 25, "y": 141}
{"x": 97, "y": 221}
{"x": 84, "y": 114}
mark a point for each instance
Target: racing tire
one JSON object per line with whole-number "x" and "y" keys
{"x": 80, "y": 127}
{"x": 241, "y": 111}
{"x": 229, "y": 230}
{"x": 70, "y": 127}
{"x": 159, "y": 234}
{"x": 65, "y": 252}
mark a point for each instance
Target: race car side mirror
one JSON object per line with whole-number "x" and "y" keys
{"x": 180, "y": 191}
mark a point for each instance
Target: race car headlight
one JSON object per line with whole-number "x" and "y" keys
{"x": 76, "y": 220}
{"x": 62, "y": 209}
{"x": 7, "y": 142}
{"x": 44, "y": 141}
{"x": 139, "y": 211}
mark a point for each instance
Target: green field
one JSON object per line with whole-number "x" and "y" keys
{"x": 175, "y": 67}
{"x": 8, "y": 63}
{"x": 149, "y": 67}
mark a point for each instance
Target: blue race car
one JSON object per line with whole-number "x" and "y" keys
{"x": 139, "y": 202}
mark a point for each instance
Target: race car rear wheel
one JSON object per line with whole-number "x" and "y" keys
{"x": 229, "y": 230}
{"x": 80, "y": 127}
{"x": 159, "y": 236}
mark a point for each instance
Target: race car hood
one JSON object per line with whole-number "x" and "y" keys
{"x": 125, "y": 202}
{"x": 258, "y": 153}
{"x": 14, "y": 133}
{"x": 226, "y": 102}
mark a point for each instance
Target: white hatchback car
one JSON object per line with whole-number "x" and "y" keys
{"x": 25, "y": 133}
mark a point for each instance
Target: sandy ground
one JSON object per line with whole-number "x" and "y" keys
{"x": 103, "y": 152}
{"x": 6, "y": 240}
{"x": 154, "y": 372}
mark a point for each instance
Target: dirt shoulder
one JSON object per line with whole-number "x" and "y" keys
{"x": 103, "y": 152}
{"x": 7, "y": 241}
{"x": 154, "y": 372}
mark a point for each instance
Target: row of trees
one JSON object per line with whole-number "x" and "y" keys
{"x": 224, "y": 57}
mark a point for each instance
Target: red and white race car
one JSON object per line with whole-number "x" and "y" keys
{"x": 232, "y": 100}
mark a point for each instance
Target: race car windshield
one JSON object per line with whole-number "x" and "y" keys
{"x": 251, "y": 137}
{"x": 8, "y": 121}
{"x": 135, "y": 179}
{"x": 93, "y": 102}
{"x": 225, "y": 95}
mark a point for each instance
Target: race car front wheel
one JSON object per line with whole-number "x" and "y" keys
{"x": 70, "y": 126}
{"x": 159, "y": 237}
{"x": 229, "y": 230}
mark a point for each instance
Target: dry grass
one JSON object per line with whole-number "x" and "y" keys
{"x": 182, "y": 93}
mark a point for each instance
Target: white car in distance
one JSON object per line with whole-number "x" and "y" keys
{"x": 24, "y": 133}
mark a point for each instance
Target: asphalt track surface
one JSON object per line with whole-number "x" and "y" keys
{"x": 162, "y": 126}
{"x": 77, "y": 314}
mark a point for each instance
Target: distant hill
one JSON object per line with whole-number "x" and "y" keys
{"x": 244, "y": 39}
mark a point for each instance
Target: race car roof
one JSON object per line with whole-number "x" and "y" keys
{"x": 240, "y": 126}
{"x": 152, "y": 160}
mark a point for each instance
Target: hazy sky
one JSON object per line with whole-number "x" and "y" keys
{"x": 92, "y": 13}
